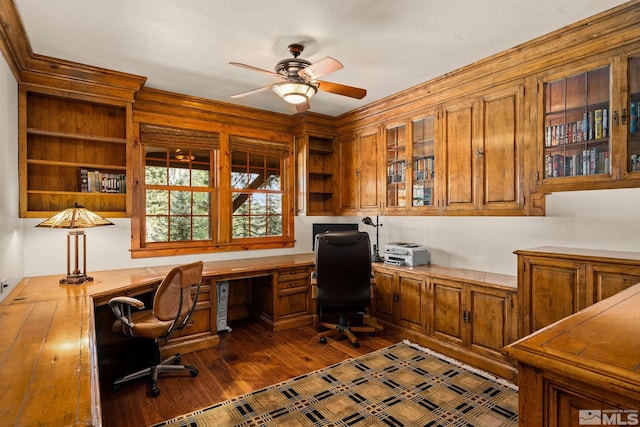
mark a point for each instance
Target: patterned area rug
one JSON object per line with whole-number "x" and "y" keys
{"x": 401, "y": 385}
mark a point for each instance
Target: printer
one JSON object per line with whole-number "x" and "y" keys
{"x": 402, "y": 253}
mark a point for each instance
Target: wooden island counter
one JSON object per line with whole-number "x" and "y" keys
{"x": 48, "y": 351}
{"x": 587, "y": 364}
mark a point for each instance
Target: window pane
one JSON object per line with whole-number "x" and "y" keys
{"x": 157, "y": 202}
{"x": 180, "y": 203}
{"x": 201, "y": 228}
{"x": 180, "y": 227}
{"x": 201, "y": 203}
{"x": 272, "y": 182}
{"x": 157, "y": 229}
{"x": 200, "y": 177}
{"x": 155, "y": 175}
{"x": 179, "y": 175}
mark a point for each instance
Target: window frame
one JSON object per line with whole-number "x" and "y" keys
{"x": 221, "y": 209}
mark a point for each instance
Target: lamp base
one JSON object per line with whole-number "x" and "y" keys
{"x": 377, "y": 258}
{"x": 75, "y": 279}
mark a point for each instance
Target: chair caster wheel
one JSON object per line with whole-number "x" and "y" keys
{"x": 155, "y": 392}
{"x": 356, "y": 344}
{"x": 194, "y": 372}
{"x": 323, "y": 340}
{"x": 177, "y": 360}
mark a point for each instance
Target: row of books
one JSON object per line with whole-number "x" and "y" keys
{"x": 397, "y": 198}
{"x": 634, "y": 126}
{"x": 423, "y": 168}
{"x": 635, "y": 162}
{"x": 102, "y": 182}
{"x": 396, "y": 172}
{"x": 589, "y": 162}
{"x": 594, "y": 125}
{"x": 422, "y": 196}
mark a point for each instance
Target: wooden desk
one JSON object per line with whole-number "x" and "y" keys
{"x": 587, "y": 361}
{"x": 48, "y": 354}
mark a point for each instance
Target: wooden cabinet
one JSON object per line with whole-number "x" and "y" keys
{"x": 480, "y": 318}
{"x": 317, "y": 175}
{"x": 72, "y": 150}
{"x": 464, "y": 314}
{"x": 359, "y": 173}
{"x": 411, "y": 166}
{"x": 401, "y": 298}
{"x": 583, "y": 365}
{"x": 554, "y": 283}
{"x": 590, "y": 125}
{"x": 483, "y": 153}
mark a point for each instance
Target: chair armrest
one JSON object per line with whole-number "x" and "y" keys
{"x": 121, "y": 307}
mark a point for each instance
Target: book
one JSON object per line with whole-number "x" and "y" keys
{"x": 598, "y": 123}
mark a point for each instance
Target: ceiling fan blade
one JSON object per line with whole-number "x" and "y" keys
{"x": 251, "y": 92}
{"x": 302, "y": 107}
{"x": 321, "y": 68}
{"x": 260, "y": 70}
{"x": 338, "y": 89}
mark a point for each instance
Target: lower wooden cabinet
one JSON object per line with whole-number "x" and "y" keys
{"x": 555, "y": 282}
{"x": 467, "y": 315}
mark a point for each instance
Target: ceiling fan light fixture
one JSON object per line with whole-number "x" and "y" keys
{"x": 295, "y": 92}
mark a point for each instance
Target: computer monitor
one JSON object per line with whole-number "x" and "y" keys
{"x": 321, "y": 228}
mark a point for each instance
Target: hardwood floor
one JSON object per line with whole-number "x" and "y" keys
{"x": 248, "y": 358}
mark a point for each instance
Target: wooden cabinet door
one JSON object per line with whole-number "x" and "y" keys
{"x": 348, "y": 173}
{"x": 412, "y": 302}
{"x": 492, "y": 323}
{"x": 549, "y": 291}
{"x": 605, "y": 280}
{"x": 499, "y": 152}
{"x": 448, "y": 307}
{"x": 459, "y": 153}
{"x": 385, "y": 295}
{"x": 368, "y": 154}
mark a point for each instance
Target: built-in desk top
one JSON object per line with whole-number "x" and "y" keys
{"x": 48, "y": 355}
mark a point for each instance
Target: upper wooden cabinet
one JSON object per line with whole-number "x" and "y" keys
{"x": 359, "y": 172}
{"x": 72, "y": 150}
{"x": 589, "y": 126}
{"x": 482, "y": 153}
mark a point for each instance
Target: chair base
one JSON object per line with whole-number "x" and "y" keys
{"x": 344, "y": 327}
{"x": 170, "y": 364}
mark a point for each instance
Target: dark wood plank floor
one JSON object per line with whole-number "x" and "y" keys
{"x": 248, "y": 358}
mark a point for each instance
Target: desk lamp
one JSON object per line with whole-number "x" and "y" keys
{"x": 75, "y": 218}
{"x": 368, "y": 221}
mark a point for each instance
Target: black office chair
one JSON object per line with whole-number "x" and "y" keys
{"x": 342, "y": 282}
{"x": 172, "y": 308}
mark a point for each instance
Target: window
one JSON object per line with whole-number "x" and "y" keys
{"x": 202, "y": 192}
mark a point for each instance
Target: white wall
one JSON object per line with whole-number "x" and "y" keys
{"x": 11, "y": 236}
{"x": 603, "y": 219}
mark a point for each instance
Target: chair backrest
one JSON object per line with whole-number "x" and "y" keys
{"x": 343, "y": 269}
{"x": 173, "y": 300}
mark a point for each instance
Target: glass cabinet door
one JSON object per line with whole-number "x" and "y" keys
{"x": 577, "y": 125}
{"x": 634, "y": 114}
{"x": 396, "y": 166}
{"x": 423, "y": 131}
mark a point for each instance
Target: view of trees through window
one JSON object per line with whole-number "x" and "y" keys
{"x": 256, "y": 195}
{"x": 178, "y": 190}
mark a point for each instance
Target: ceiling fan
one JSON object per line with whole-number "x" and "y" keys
{"x": 300, "y": 79}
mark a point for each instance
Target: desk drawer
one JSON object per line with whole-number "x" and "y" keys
{"x": 294, "y": 278}
{"x": 292, "y": 304}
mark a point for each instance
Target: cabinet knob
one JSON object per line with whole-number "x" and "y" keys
{"x": 623, "y": 117}
{"x": 614, "y": 118}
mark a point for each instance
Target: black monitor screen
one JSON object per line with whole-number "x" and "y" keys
{"x": 321, "y": 228}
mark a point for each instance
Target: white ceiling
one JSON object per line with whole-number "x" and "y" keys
{"x": 386, "y": 46}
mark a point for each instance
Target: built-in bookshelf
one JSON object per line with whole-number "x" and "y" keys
{"x": 75, "y": 151}
{"x": 577, "y": 118}
{"x": 634, "y": 114}
{"x": 423, "y": 136}
{"x": 321, "y": 167}
{"x": 396, "y": 166}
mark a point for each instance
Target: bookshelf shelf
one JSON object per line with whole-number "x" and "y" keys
{"x": 316, "y": 171}
{"x": 67, "y": 146}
